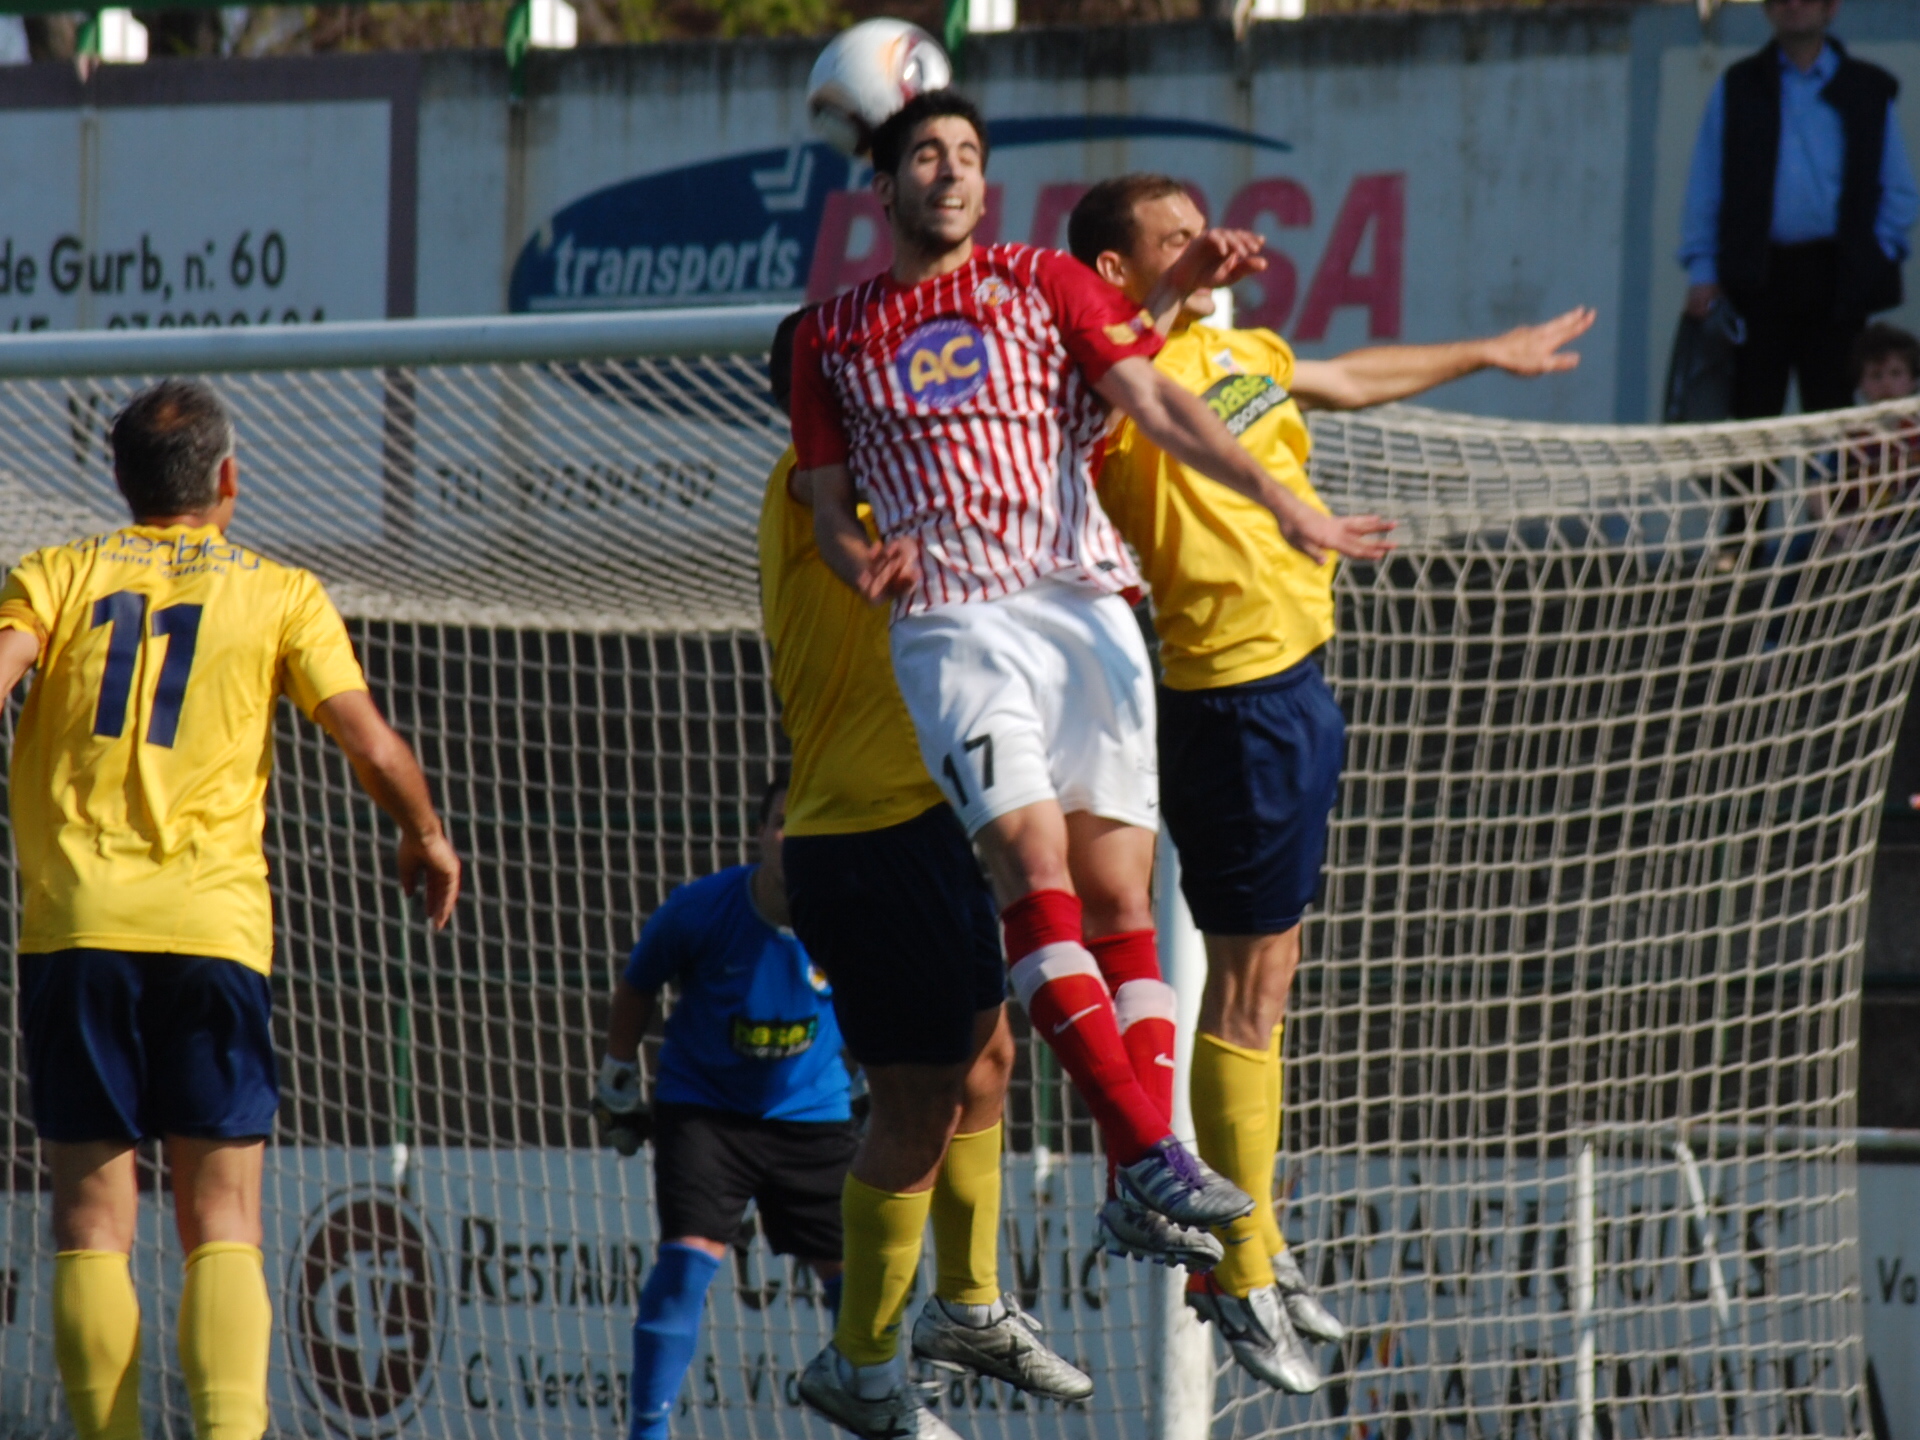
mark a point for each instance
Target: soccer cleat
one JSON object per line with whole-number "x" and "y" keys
{"x": 1308, "y": 1315}
{"x": 1127, "y": 1228}
{"x": 1258, "y": 1333}
{"x": 901, "y": 1414}
{"x": 1171, "y": 1179}
{"x": 1009, "y": 1349}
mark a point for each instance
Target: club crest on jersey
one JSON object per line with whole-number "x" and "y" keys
{"x": 993, "y": 291}
{"x": 942, "y": 363}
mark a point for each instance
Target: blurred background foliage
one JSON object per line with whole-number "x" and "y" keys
{"x": 471, "y": 24}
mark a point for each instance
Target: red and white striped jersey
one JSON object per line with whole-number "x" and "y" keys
{"x": 964, "y": 409}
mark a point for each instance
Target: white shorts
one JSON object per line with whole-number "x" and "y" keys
{"x": 1043, "y": 695}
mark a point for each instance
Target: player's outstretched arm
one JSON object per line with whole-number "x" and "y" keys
{"x": 1212, "y": 258}
{"x": 1181, "y": 424}
{"x": 391, "y": 777}
{"x": 1385, "y": 373}
{"x": 876, "y": 571}
{"x": 19, "y": 649}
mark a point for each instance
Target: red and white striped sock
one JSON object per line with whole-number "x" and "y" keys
{"x": 1059, "y": 984}
{"x": 1143, "y": 1007}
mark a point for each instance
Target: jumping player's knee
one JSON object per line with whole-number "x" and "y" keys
{"x": 1112, "y": 866}
{"x": 915, "y": 1111}
{"x": 1249, "y": 978}
{"x": 992, "y": 1067}
{"x": 1026, "y": 851}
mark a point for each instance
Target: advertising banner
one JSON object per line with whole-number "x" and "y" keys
{"x": 493, "y": 1292}
{"x": 259, "y": 194}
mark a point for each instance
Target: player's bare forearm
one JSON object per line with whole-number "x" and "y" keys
{"x": 385, "y": 766}
{"x": 1182, "y": 426}
{"x": 875, "y": 571}
{"x": 1214, "y": 258}
{"x": 1385, "y": 373}
{"x": 19, "y": 649}
{"x": 627, "y": 1020}
{"x": 836, "y": 521}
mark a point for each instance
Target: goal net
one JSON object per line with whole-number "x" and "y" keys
{"x": 1571, "y": 1066}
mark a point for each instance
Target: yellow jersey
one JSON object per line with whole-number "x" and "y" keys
{"x": 141, "y": 760}
{"x": 856, "y": 763}
{"x": 1232, "y": 601}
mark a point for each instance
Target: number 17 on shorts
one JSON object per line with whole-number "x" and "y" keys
{"x": 954, "y": 770}
{"x": 1044, "y": 695}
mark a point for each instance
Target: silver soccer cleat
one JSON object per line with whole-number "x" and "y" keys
{"x": 901, "y": 1414}
{"x": 1173, "y": 1180}
{"x": 1009, "y": 1349}
{"x": 1308, "y": 1315}
{"x": 1259, "y": 1334}
{"x": 1127, "y": 1228}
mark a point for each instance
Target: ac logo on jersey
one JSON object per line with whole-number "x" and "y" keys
{"x": 1239, "y": 400}
{"x": 942, "y": 363}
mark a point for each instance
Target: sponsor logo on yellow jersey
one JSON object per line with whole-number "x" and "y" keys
{"x": 1240, "y": 400}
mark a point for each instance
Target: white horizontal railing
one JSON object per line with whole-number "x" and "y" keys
{"x": 357, "y": 344}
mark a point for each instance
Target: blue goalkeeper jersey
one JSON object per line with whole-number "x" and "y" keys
{"x": 752, "y": 1029}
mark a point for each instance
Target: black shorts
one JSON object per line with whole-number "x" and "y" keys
{"x": 124, "y": 1046}
{"x": 707, "y": 1164}
{"x": 1248, "y": 776}
{"x": 903, "y": 923}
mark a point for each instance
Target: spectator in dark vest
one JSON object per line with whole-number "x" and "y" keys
{"x": 1797, "y": 209}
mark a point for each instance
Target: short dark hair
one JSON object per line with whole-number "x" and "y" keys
{"x": 776, "y": 787}
{"x": 890, "y": 139}
{"x": 780, "y": 359}
{"x": 168, "y": 443}
{"x": 1104, "y": 220}
{"x": 1881, "y": 341}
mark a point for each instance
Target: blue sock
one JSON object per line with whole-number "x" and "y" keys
{"x": 666, "y": 1335}
{"x": 830, "y": 1290}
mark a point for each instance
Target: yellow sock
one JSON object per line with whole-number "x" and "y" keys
{"x": 966, "y": 1219}
{"x": 226, "y": 1328}
{"x": 1232, "y": 1103}
{"x": 1271, "y": 1237}
{"x": 96, "y": 1342}
{"x": 884, "y": 1233}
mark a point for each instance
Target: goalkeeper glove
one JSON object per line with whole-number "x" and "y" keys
{"x": 624, "y": 1117}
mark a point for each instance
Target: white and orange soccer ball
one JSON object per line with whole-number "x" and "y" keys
{"x": 866, "y": 74}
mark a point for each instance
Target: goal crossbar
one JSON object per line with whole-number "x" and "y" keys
{"x": 354, "y": 344}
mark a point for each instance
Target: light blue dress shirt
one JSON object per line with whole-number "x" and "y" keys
{"x": 1806, "y": 184}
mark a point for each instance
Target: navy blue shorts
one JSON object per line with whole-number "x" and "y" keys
{"x": 127, "y": 1046}
{"x": 903, "y": 923}
{"x": 1248, "y": 776}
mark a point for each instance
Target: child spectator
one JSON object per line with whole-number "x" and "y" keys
{"x": 1877, "y": 471}
{"x": 1863, "y": 495}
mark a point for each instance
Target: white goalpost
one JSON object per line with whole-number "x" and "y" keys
{"x": 1571, "y": 1066}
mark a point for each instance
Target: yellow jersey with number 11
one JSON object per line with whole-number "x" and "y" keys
{"x": 856, "y": 762}
{"x": 140, "y": 764}
{"x": 1232, "y": 601}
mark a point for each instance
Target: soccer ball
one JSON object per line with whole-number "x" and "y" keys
{"x": 866, "y": 74}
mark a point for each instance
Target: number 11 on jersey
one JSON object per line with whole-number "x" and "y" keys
{"x": 124, "y": 613}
